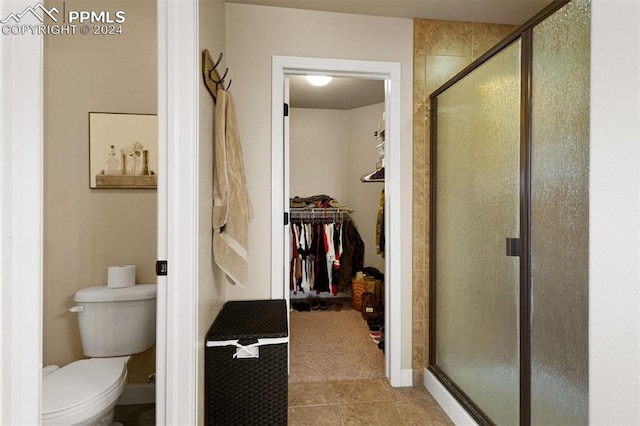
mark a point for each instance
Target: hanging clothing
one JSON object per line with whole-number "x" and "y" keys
{"x": 321, "y": 282}
{"x": 337, "y": 245}
{"x": 380, "y": 239}
{"x": 292, "y": 262}
{"x": 325, "y": 254}
{"x": 352, "y": 257}
{"x": 331, "y": 252}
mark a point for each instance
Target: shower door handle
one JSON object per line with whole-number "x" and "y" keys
{"x": 513, "y": 247}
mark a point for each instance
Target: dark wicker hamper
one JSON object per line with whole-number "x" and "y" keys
{"x": 247, "y": 386}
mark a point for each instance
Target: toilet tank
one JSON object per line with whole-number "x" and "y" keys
{"x": 116, "y": 321}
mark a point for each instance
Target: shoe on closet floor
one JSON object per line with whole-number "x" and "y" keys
{"x": 377, "y": 319}
{"x": 376, "y": 324}
{"x": 335, "y": 305}
{"x": 313, "y": 301}
{"x": 301, "y": 306}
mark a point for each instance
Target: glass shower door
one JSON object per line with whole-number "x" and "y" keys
{"x": 477, "y": 191}
{"x": 560, "y": 217}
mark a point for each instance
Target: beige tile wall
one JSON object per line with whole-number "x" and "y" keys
{"x": 440, "y": 50}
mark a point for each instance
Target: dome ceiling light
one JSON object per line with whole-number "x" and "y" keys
{"x": 319, "y": 80}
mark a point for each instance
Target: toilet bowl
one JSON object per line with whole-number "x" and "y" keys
{"x": 84, "y": 392}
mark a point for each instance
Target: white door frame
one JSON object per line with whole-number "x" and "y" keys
{"x": 177, "y": 321}
{"x": 396, "y": 343}
{"x": 21, "y": 223}
{"x": 21, "y": 213}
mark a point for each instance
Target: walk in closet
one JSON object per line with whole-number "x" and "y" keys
{"x": 336, "y": 227}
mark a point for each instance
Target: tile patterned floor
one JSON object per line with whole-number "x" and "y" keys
{"x": 345, "y": 403}
{"x": 362, "y": 402}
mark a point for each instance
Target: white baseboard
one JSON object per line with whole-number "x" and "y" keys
{"x": 449, "y": 404}
{"x": 138, "y": 393}
{"x": 406, "y": 378}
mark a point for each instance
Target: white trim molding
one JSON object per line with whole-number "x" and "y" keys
{"x": 449, "y": 404}
{"x": 398, "y": 265}
{"x": 138, "y": 393}
{"x": 406, "y": 377}
{"x": 21, "y": 223}
{"x": 177, "y": 349}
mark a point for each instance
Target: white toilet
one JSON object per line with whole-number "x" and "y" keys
{"x": 115, "y": 323}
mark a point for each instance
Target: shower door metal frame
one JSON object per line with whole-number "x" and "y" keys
{"x": 525, "y": 34}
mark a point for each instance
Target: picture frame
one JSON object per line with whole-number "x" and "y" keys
{"x": 123, "y": 150}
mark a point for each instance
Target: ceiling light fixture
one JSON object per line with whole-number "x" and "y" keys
{"x": 319, "y": 80}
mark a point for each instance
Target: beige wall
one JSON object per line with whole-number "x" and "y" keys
{"x": 86, "y": 230}
{"x": 210, "y": 278}
{"x": 329, "y": 151}
{"x": 253, "y": 35}
{"x": 365, "y": 197}
{"x": 440, "y": 50}
{"x": 318, "y": 144}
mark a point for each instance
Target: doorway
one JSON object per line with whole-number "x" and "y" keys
{"x": 94, "y": 217}
{"x": 398, "y": 341}
{"x": 21, "y": 189}
{"x": 336, "y": 139}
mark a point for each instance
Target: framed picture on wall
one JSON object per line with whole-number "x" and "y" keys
{"x": 123, "y": 150}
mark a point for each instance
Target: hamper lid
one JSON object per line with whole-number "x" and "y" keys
{"x": 250, "y": 319}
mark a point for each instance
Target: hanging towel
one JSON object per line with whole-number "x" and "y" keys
{"x": 230, "y": 216}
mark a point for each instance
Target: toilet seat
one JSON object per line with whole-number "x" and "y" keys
{"x": 75, "y": 387}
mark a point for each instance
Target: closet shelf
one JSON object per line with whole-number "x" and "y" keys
{"x": 375, "y": 176}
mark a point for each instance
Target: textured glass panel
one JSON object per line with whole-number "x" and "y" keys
{"x": 559, "y": 217}
{"x": 477, "y": 189}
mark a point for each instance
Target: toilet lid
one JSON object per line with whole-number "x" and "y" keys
{"x": 81, "y": 382}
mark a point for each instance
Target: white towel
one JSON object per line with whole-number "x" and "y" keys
{"x": 230, "y": 216}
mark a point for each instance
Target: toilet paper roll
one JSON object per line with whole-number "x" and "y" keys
{"x": 121, "y": 276}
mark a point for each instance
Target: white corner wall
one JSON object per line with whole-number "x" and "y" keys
{"x": 614, "y": 215}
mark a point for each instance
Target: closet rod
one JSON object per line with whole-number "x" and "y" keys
{"x": 320, "y": 213}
